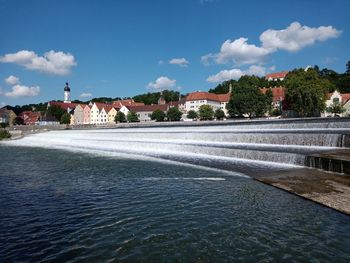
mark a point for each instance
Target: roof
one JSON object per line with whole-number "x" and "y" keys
{"x": 148, "y": 108}
{"x": 278, "y": 93}
{"x": 201, "y": 95}
{"x": 277, "y": 75}
{"x": 65, "y": 106}
{"x": 130, "y": 102}
{"x": 345, "y": 97}
{"x": 30, "y": 117}
{"x": 224, "y": 97}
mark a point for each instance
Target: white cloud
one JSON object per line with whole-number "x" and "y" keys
{"x": 56, "y": 63}
{"x": 182, "y": 62}
{"x": 162, "y": 83}
{"x": 23, "y": 91}
{"x": 12, "y": 80}
{"x": 237, "y": 73}
{"x": 296, "y": 37}
{"x": 85, "y": 95}
{"x": 293, "y": 38}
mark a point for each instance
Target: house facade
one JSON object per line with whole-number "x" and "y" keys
{"x": 195, "y": 100}
{"x": 337, "y": 98}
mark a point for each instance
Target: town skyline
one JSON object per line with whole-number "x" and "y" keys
{"x": 123, "y": 49}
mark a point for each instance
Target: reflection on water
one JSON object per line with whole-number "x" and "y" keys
{"x": 69, "y": 206}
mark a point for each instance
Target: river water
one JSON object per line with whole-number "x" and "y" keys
{"x": 93, "y": 206}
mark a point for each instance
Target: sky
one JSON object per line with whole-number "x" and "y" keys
{"x": 128, "y": 47}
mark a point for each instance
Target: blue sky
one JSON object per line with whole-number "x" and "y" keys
{"x": 124, "y": 48}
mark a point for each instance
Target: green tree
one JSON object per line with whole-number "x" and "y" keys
{"x": 192, "y": 114}
{"x": 65, "y": 118}
{"x": 336, "y": 108}
{"x": 248, "y": 100}
{"x": 4, "y": 134}
{"x": 158, "y": 115}
{"x": 56, "y": 111}
{"x": 219, "y": 114}
{"x": 132, "y": 117}
{"x": 119, "y": 117}
{"x": 206, "y": 112}
{"x": 305, "y": 92}
{"x": 174, "y": 114}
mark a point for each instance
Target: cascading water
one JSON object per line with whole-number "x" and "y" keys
{"x": 231, "y": 147}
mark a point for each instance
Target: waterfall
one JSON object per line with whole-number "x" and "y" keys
{"x": 280, "y": 145}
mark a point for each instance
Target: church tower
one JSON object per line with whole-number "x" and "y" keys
{"x": 66, "y": 93}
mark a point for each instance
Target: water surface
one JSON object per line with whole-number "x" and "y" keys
{"x": 60, "y": 206}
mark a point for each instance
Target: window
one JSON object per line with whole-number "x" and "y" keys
{"x": 335, "y": 100}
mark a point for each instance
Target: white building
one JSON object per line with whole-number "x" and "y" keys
{"x": 217, "y": 101}
{"x": 337, "y": 98}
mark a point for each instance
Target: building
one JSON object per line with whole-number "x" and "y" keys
{"x": 4, "y": 117}
{"x": 196, "y": 99}
{"x": 78, "y": 115}
{"x": 144, "y": 112}
{"x": 127, "y": 102}
{"x": 30, "y": 117}
{"x": 276, "y": 76}
{"x": 7, "y": 116}
{"x": 66, "y": 94}
{"x": 111, "y": 113}
{"x": 278, "y": 96}
{"x": 47, "y": 120}
{"x": 87, "y": 111}
{"x": 337, "y": 98}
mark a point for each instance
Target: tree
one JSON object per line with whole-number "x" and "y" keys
{"x": 158, "y": 115}
{"x": 248, "y": 100}
{"x": 132, "y": 117}
{"x": 336, "y": 108}
{"x": 219, "y": 114}
{"x": 174, "y": 114}
{"x": 206, "y": 112}
{"x": 65, "y": 118}
{"x": 192, "y": 114}
{"x": 56, "y": 111}
{"x": 18, "y": 121}
{"x": 305, "y": 92}
{"x": 119, "y": 117}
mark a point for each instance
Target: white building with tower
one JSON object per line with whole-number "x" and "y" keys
{"x": 67, "y": 94}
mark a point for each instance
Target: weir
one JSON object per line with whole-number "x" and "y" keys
{"x": 308, "y": 158}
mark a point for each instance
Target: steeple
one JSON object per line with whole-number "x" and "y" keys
{"x": 230, "y": 88}
{"x": 66, "y": 93}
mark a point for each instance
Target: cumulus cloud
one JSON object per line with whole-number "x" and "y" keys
{"x": 85, "y": 95}
{"x": 23, "y": 91}
{"x": 52, "y": 62}
{"x": 12, "y": 80}
{"x": 162, "y": 83}
{"x": 237, "y": 73}
{"x": 293, "y": 38}
{"x": 296, "y": 36}
{"x": 182, "y": 62}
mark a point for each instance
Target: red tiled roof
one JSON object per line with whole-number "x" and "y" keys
{"x": 130, "y": 102}
{"x": 65, "y": 106}
{"x": 277, "y": 75}
{"x": 149, "y": 108}
{"x": 201, "y": 95}
{"x": 30, "y": 117}
{"x": 224, "y": 97}
{"x": 278, "y": 93}
{"x": 345, "y": 97}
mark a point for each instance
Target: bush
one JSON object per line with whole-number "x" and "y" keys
{"x": 4, "y": 134}
{"x": 219, "y": 114}
{"x": 206, "y": 112}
